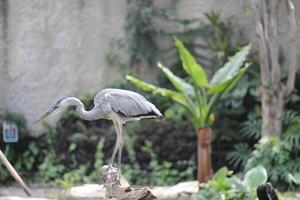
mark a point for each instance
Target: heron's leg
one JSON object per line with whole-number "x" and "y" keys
{"x": 120, "y": 148}
{"x": 116, "y": 145}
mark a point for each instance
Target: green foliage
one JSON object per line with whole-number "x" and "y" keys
{"x": 141, "y": 29}
{"x": 24, "y": 155}
{"x": 295, "y": 178}
{"x": 252, "y": 127}
{"x": 163, "y": 174}
{"x": 199, "y": 98}
{"x": 191, "y": 67}
{"x": 224, "y": 185}
{"x": 251, "y": 130}
{"x": 98, "y": 163}
{"x": 50, "y": 168}
{"x": 155, "y": 173}
{"x": 292, "y": 125}
{"x": 240, "y": 155}
{"x": 71, "y": 178}
{"x": 255, "y": 177}
{"x": 46, "y": 164}
{"x": 142, "y": 32}
{"x": 28, "y": 158}
{"x": 280, "y": 159}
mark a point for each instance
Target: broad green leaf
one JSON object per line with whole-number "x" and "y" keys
{"x": 229, "y": 84}
{"x": 231, "y": 68}
{"x": 191, "y": 66}
{"x": 221, "y": 174}
{"x": 176, "y": 96}
{"x": 180, "y": 84}
{"x": 237, "y": 184}
{"x": 255, "y": 177}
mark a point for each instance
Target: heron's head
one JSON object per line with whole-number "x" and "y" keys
{"x": 54, "y": 108}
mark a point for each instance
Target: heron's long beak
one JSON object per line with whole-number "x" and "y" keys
{"x": 51, "y": 111}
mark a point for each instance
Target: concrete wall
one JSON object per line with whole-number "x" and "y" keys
{"x": 54, "y": 48}
{"x": 3, "y": 18}
{"x": 239, "y": 9}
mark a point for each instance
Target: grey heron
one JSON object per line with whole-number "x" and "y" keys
{"x": 117, "y": 105}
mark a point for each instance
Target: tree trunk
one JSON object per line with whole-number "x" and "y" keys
{"x": 204, "y": 170}
{"x": 272, "y": 111}
{"x": 277, "y": 54}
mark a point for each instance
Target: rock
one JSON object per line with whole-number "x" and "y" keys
{"x": 180, "y": 191}
{"x": 85, "y": 192}
{"x": 20, "y": 198}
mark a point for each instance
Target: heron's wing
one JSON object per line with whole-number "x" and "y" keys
{"x": 127, "y": 103}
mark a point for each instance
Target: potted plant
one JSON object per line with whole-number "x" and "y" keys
{"x": 198, "y": 96}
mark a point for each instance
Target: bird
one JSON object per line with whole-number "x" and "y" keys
{"x": 117, "y": 105}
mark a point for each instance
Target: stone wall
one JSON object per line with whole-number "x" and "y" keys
{"x": 54, "y": 48}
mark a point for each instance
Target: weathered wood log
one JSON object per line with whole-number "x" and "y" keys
{"x": 118, "y": 188}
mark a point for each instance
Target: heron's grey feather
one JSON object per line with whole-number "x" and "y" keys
{"x": 124, "y": 102}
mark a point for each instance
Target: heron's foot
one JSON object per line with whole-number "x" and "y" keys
{"x": 110, "y": 175}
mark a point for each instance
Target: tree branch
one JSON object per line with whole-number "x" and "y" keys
{"x": 292, "y": 55}
{"x": 274, "y": 44}
{"x": 14, "y": 174}
{"x": 262, "y": 35}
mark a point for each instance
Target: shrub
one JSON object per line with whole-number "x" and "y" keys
{"x": 280, "y": 159}
{"x": 224, "y": 185}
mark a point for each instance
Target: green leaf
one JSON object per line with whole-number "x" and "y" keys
{"x": 229, "y": 84}
{"x": 180, "y": 84}
{"x": 255, "y": 177}
{"x": 237, "y": 184}
{"x": 219, "y": 180}
{"x": 176, "y": 96}
{"x": 295, "y": 178}
{"x": 191, "y": 66}
{"x": 221, "y": 174}
{"x": 231, "y": 68}
{"x": 72, "y": 147}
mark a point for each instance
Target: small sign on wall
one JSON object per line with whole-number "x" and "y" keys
{"x": 10, "y": 132}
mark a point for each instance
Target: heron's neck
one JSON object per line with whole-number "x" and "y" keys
{"x": 85, "y": 114}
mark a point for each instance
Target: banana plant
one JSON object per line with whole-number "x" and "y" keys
{"x": 199, "y": 95}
